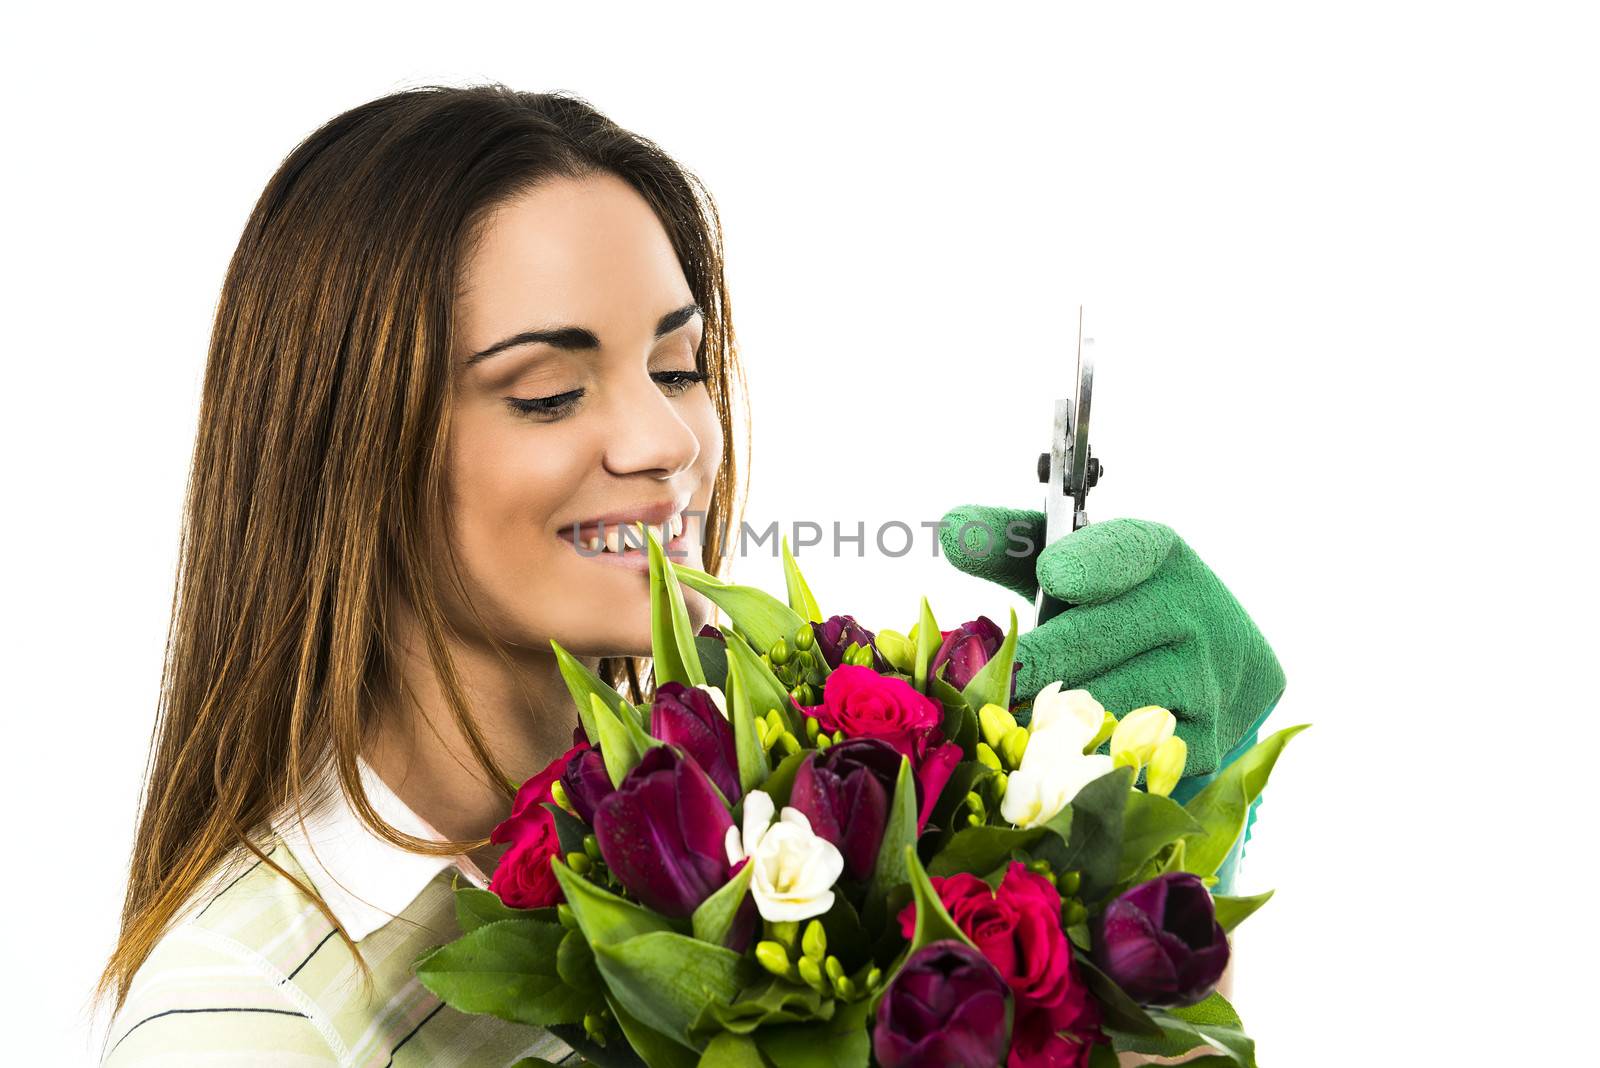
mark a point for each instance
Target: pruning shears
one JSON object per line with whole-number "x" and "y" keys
{"x": 1069, "y": 470}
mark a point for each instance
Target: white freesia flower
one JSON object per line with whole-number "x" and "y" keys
{"x": 1054, "y": 766}
{"x": 1139, "y": 733}
{"x": 794, "y": 869}
{"x": 716, "y": 698}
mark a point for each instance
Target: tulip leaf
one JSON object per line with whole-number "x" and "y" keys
{"x": 506, "y": 969}
{"x": 1232, "y": 911}
{"x": 581, "y": 684}
{"x": 1224, "y": 805}
{"x": 1088, "y": 834}
{"x": 644, "y": 1048}
{"x": 1149, "y": 824}
{"x": 713, "y": 660}
{"x": 778, "y": 1001}
{"x": 800, "y": 598}
{"x": 766, "y": 692}
{"x": 928, "y": 640}
{"x": 713, "y": 919}
{"x": 753, "y": 766}
{"x": 1119, "y": 1010}
{"x": 960, "y": 723}
{"x": 671, "y": 634}
{"x": 899, "y": 834}
{"x": 979, "y": 849}
{"x": 992, "y": 684}
{"x": 478, "y": 908}
{"x": 949, "y": 811}
{"x": 666, "y": 979}
{"x": 729, "y": 1050}
{"x": 570, "y": 830}
{"x": 757, "y": 615}
{"x": 845, "y": 1041}
{"x": 780, "y": 784}
{"x": 1212, "y": 1022}
{"x": 933, "y": 922}
{"x": 603, "y": 917}
{"x": 622, "y": 741}
{"x": 575, "y": 964}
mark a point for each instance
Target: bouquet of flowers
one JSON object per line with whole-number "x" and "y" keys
{"x": 820, "y": 846}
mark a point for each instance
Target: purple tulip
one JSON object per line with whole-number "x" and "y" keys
{"x": 708, "y": 631}
{"x": 845, "y": 793}
{"x": 661, "y": 833}
{"x": 1161, "y": 942}
{"x": 687, "y": 717}
{"x": 835, "y": 636}
{"x": 587, "y": 783}
{"x": 946, "y": 1006}
{"x": 967, "y": 648}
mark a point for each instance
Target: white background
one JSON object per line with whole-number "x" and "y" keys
{"x": 1341, "y": 265}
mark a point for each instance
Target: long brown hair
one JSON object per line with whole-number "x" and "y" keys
{"x": 317, "y": 480}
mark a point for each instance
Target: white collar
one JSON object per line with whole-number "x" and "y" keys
{"x": 365, "y": 880}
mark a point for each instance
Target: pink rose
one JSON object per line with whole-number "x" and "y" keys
{"x": 523, "y": 878}
{"x": 864, "y": 704}
{"x": 1018, "y": 928}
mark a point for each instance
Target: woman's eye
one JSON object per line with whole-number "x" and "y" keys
{"x": 545, "y": 408}
{"x": 679, "y": 381}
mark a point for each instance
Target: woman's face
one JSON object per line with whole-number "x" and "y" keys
{"x": 605, "y": 418}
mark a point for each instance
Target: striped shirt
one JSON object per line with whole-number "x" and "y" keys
{"x": 253, "y": 973}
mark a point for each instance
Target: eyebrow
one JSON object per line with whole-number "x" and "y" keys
{"x": 578, "y": 338}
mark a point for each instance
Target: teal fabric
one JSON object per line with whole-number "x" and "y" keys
{"x": 1148, "y": 623}
{"x": 1190, "y": 785}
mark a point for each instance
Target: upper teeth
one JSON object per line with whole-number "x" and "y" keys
{"x": 614, "y": 534}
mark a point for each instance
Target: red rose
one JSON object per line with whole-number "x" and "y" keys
{"x": 864, "y": 704}
{"x": 523, "y": 878}
{"x": 1018, "y": 928}
{"x": 536, "y": 790}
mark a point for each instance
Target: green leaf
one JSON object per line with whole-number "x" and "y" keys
{"x": 713, "y": 659}
{"x": 1212, "y": 1022}
{"x": 666, "y": 979}
{"x": 616, "y": 742}
{"x": 960, "y": 723}
{"x": 752, "y": 758}
{"x": 778, "y": 1001}
{"x": 1149, "y": 824}
{"x": 842, "y": 1042}
{"x": 570, "y": 830}
{"x": 1224, "y": 805}
{"x": 928, "y": 640}
{"x": 800, "y": 598}
{"x": 505, "y": 969}
{"x": 979, "y": 849}
{"x": 766, "y": 692}
{"x": 732, "y": 1051}
{"x": 671, "y": 634}
{"x": 581, "y": 684}
{"x": 1118, "y": 1009}
{"x": 757, "y": 615}
{"x": 780, "y": 784}
{"x": 604, "y": 917}
{"x": 992, "y": 684}
{"x": 899, "y": 834}
{"x": 713, "y": 919}
{"x": 1232, "y": 911}
{"x": 933, "y": 922}
{"x": 478, "y": 908}
{"x": 652, "y": 1047}
{"x": 1088, "y": 834}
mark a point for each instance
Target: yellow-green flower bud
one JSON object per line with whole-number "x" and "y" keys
{"x": 1107, "y": 725}
{"x": 580, "y": 863}
{"x": 773, "y": 957}
{"x": 845, "y": 987}
{"x": 835, "y": 973}
{"x": 558, "y": 794}
{"x": 763, "y": 734}
{"x": 788, "y": 743}
{"x": 594, "y": 1025}
{"x": 787, "y": 932}
{"x": 987, "y": 757}
{"x": 1137, "y": 734}
{"x": 565, "y": 916}
{"x": 1069, "y": 881}
{"x": 810, "y": 972}
{"x": 804, "y": 638}
{"x": 780, "y": 652}
{"x": 897, "y": 649}
{"x": 995, "y": 723}
{"x": 874, "y": 979}
{"x": 1040, "y": 867}
{"x": 814, "y": 943}
{"x": 823, "y": 741}
{"x": 1166, "y": 766}
{"x": 1013, "y": 745}
{"x": 813, "y": 728}
{"x": 591, "y": 846}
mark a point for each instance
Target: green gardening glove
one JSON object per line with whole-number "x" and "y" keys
{"x": 1148, "y": 623}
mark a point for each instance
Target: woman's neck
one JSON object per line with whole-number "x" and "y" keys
{"x": 524, "y": 714}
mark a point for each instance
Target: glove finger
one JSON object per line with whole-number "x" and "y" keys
{"x": 1165, "y": 676}
{"x": 1103, "y": 560}
{"x": 996, "y": 544}
{"x": 1089, "y": 640}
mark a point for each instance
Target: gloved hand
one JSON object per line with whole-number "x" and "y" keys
{"x": 1149, "y": 624}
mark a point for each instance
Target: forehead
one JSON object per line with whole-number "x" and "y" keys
{"x": 587, "y": 250}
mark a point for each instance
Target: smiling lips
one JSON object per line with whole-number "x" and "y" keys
{"x": 620, "y": 536}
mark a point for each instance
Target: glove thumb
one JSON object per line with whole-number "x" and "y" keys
{"x": 996, "y": 544}
{"x": 1095, "y": 563}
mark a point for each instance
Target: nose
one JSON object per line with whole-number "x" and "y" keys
{"x": 646, "y": 434}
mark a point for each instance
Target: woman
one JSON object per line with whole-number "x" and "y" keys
{"x": 379, "y": 544}
{"x": 463, "y": 327}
